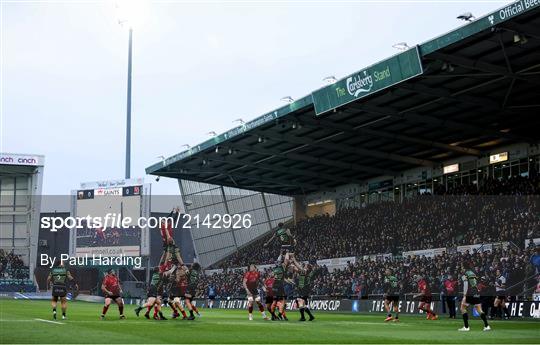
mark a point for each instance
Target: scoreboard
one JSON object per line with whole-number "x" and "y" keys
{"x": 110, "y": 213}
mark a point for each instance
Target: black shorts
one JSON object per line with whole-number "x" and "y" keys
{"x": 152, "y": 291}
{"x": 289, "y": 248}
{"x": 59, "y": 291}
{"x": 279, "y": 292}
{"x": 426, "y": 299}
{"x": 191, "y": 290}
{"x": 269, "y": 299}
{"x": 212, "y": 297}
{"x": 392, "y": 298}
{"x": 113, "y": 297}
{"x": 254, "y": 291}
{"x": 472, "y": 300}
{"x": 304, "y": 297}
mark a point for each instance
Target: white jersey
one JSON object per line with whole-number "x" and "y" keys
{"x": 500, "y": 284}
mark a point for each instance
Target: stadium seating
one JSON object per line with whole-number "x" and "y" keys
{"x": 497, "y": 211}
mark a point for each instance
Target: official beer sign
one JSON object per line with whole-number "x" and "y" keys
{"x": 377, "y": 77}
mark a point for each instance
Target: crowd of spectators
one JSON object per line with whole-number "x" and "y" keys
{"x": 12, "y": 266}
{"x": 366, "y": 276}
{"x": 498, "y": 211}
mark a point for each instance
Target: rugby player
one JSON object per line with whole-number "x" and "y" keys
{"x": 177, "y": 292}
{"x": 59, "y": 277}
{"x": 269, "y": 294}
{"x": 500, "y": 299}
{"x": 304, "y": 281}
{"x": 113, "y": 292}
{"x": 391, "y": 285}
{"x": 151, "y": 294}
{"x": 471, "y": 296}
{"x": 287, "y": 241}
{"x": 278, "y": 289}
{"x": 425, "y": 297}
{"x": 170, "y": 250}
{"x": 192, "y": 280}
{"x": 250, "y": 282}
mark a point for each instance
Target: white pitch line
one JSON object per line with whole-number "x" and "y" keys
{"x": 55, "y": 322}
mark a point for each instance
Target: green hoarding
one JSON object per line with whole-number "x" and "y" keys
{"x": 386, "y": 73}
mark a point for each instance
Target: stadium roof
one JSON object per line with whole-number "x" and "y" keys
{"x": 466, "y": 92}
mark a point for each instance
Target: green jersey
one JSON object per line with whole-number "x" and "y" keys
{"x": 154, "y": 281}
{"x": 283, "y": 236}
{"x": 470, "y": 283}
{"x": 391, "y": 284}
{"x": 305, "y": 279}
{"x": 193, "y": 277}
{"x": 279, "y": 274}
{"x": 59, "y": 275}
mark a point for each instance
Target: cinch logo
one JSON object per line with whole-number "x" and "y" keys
{"x": 359, "y": 84}
{"x": 6, "y": 159}
{"x": 20, "y": 160}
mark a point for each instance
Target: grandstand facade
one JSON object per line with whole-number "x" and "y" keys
{"x": 457, "y": 110}
{"x": 21, "y": 177}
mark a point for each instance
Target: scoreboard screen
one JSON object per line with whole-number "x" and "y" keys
{"x": 109, "y": 221}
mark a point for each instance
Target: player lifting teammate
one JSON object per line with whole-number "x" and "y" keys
{"x": 59, "y": 277}
{"x": 250, "y": 282}
{"x": 391, "y": 288}
{"x": 192, "y": 275}
{"x": 278, "y": 291}
{"x": 471, "y": 296}
{"x": 304, "y": 281}
{"x": 269, "y": 293}
{"x": 113, "y": 292}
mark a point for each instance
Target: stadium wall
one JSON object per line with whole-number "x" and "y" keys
{"x": 214, "y": 243}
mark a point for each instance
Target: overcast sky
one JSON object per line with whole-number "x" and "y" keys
{"x": 197, "y": 66}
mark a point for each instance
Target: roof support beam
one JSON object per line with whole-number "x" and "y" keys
{"x": 358, "y": 151}
{"x": 197, "y": 169}
{"x": 415, "y": 117}
{"x": 271, "y": 153}
{"x": 443, "y": 93}
{"x": 317, "y": 123}
{"x": 280, "y": 169}
{"x": 480, "y": 65}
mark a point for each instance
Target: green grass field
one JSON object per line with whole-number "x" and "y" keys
{"x": 27, "y": 322}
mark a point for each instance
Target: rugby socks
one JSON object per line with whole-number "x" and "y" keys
{"x": 121, "y": 309}
{"x": 397, "y": 316}
{"x": 250, "y": 309}
{"x": 105, "y": 308}
{"x": 64, "y": 312}
{"x": 261, "y": 308}
{"x": 191, "y": 313}
{"x": 302, "y": 317}
{"x": 306, "y": 309}
{"x": 183, "y": 313}
{"x": 466, "y": 319}
{"x": 484, "y": 318}
{"x": 155, "y": 311}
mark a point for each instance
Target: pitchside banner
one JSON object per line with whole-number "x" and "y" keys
{"x": 517, "y": 309}
{"x": 377, "y": 77}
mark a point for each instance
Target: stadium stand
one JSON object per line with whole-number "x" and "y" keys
{"x": 498, "y": 211}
